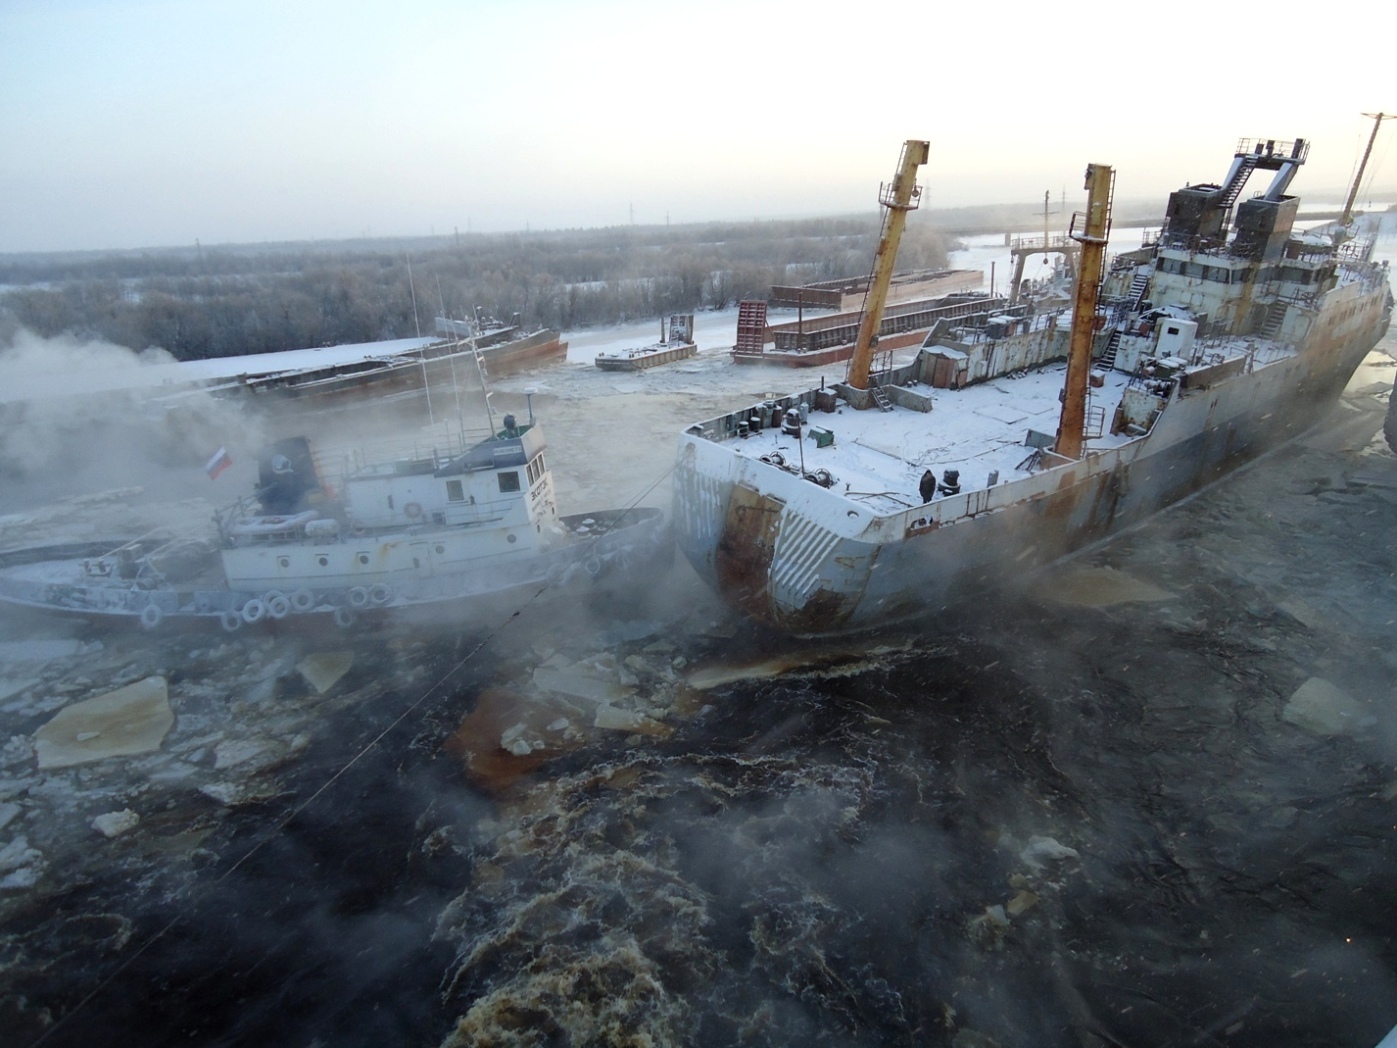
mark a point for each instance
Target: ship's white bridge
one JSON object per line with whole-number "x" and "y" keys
{"x": 879, "y": 457}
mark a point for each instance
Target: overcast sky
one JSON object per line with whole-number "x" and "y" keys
{"x": 129, "y": 123}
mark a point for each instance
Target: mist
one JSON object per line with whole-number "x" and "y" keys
{"x": 78, "y": 417}
{"x": 1096, "y": 803}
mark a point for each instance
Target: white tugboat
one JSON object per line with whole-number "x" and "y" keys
{"x": 421, "y": 532}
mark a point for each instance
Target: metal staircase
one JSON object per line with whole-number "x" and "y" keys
{"x": 1237, "y": 179}
{"x": 1138, "y": 287}
{"x": 1275, "y": 317}
{"x": 1108, "y": 358}
{"x": 1134, "y": 299}
{"x": 880, "y": 398}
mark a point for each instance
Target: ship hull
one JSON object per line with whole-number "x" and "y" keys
{"x": 399, "y": 376}
{"x": 800, "y": 559}
{"x": 632, "y": 545}
{"x": 645, "y": 359}
{"x": 814, "y": 358}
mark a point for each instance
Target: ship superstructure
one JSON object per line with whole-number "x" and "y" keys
{"x": 1017, "y": 436}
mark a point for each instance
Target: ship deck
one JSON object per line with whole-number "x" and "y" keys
{"x": 878, "y": 457}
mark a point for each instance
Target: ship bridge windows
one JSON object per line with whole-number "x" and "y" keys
{"x": 1296, "y": 275}
{"x": 535, "y": 470}
{"x": 508, "y": 481}
{"x": 1200, "y": 271}
{"x": 455, "y": 491}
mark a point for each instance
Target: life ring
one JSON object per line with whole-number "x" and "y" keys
{"x": 302, "y": 600}
{"x": 253, "y": 611}
{"x": 413, "y": 510}
{"x": 358, "y": 596}
{"x": 380, "y": 593}
{"x": 345, "y": 617}
{"x": 592, "y": 565}
{"x": 231, "y": 621}
{"x": 278, "y": 605}
{"x": 151, "y": 616}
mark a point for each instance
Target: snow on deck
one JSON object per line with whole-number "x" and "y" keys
{"x": 880, "y": 456}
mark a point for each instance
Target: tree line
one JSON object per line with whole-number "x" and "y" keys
{"x": 231, "y": 300}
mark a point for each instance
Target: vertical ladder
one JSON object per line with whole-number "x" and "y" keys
{"x": 1095, "y": 423}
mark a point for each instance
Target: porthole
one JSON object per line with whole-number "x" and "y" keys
{"x": 323, "y": 561}
{"x": 439, "y": 548}
{"x": 283, "y": 562}
{"x": 363, "y": 558}
{"x": 511, "y": 538}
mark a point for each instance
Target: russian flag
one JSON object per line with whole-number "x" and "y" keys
{"x": 221, "y": 460}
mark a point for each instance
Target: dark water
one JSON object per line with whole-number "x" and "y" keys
{"x": 1023, "y": 822}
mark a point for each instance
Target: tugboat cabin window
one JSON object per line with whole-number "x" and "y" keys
{"x": 455, "y": 492}
{"x": 509, "y": 481}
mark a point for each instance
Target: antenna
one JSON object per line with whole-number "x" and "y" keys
{"x": 480, "y": 370}
{"x": 413, "y": 288}
{"x": 426, "y": 383}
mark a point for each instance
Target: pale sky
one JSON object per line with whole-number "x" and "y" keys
{"x": 129, "y": 123}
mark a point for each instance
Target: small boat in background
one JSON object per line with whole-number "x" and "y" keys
{"x": 678, "y": 345}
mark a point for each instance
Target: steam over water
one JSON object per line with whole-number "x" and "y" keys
{"x": 1144, "y": 798}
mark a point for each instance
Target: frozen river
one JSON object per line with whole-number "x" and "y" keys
{"x": 1143, "y": 798}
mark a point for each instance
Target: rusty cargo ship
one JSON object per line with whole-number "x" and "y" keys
{"x": 1019, "y": 435}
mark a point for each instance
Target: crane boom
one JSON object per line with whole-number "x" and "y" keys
{"x": 1378, "y": 118}
{"x": 1072, "y": 423}
{"x": 898, "y": 199}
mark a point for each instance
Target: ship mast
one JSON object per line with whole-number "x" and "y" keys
{"x": 1072, "y": 425}
{"x": 1378, "y": 118}
{"x": 898, "y": 199}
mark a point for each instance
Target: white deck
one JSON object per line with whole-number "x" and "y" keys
{"x": 879, "y": 456}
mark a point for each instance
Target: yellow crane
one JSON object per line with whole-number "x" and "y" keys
{"x": 1072, "y": 424}
{"x": 898, "y": 199}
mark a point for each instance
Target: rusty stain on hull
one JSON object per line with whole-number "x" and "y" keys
{"x": 746, "y": 548}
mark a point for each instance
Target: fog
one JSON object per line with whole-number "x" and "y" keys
{"x": 78, "y": 417}
{"x": 1140, "y": 797}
